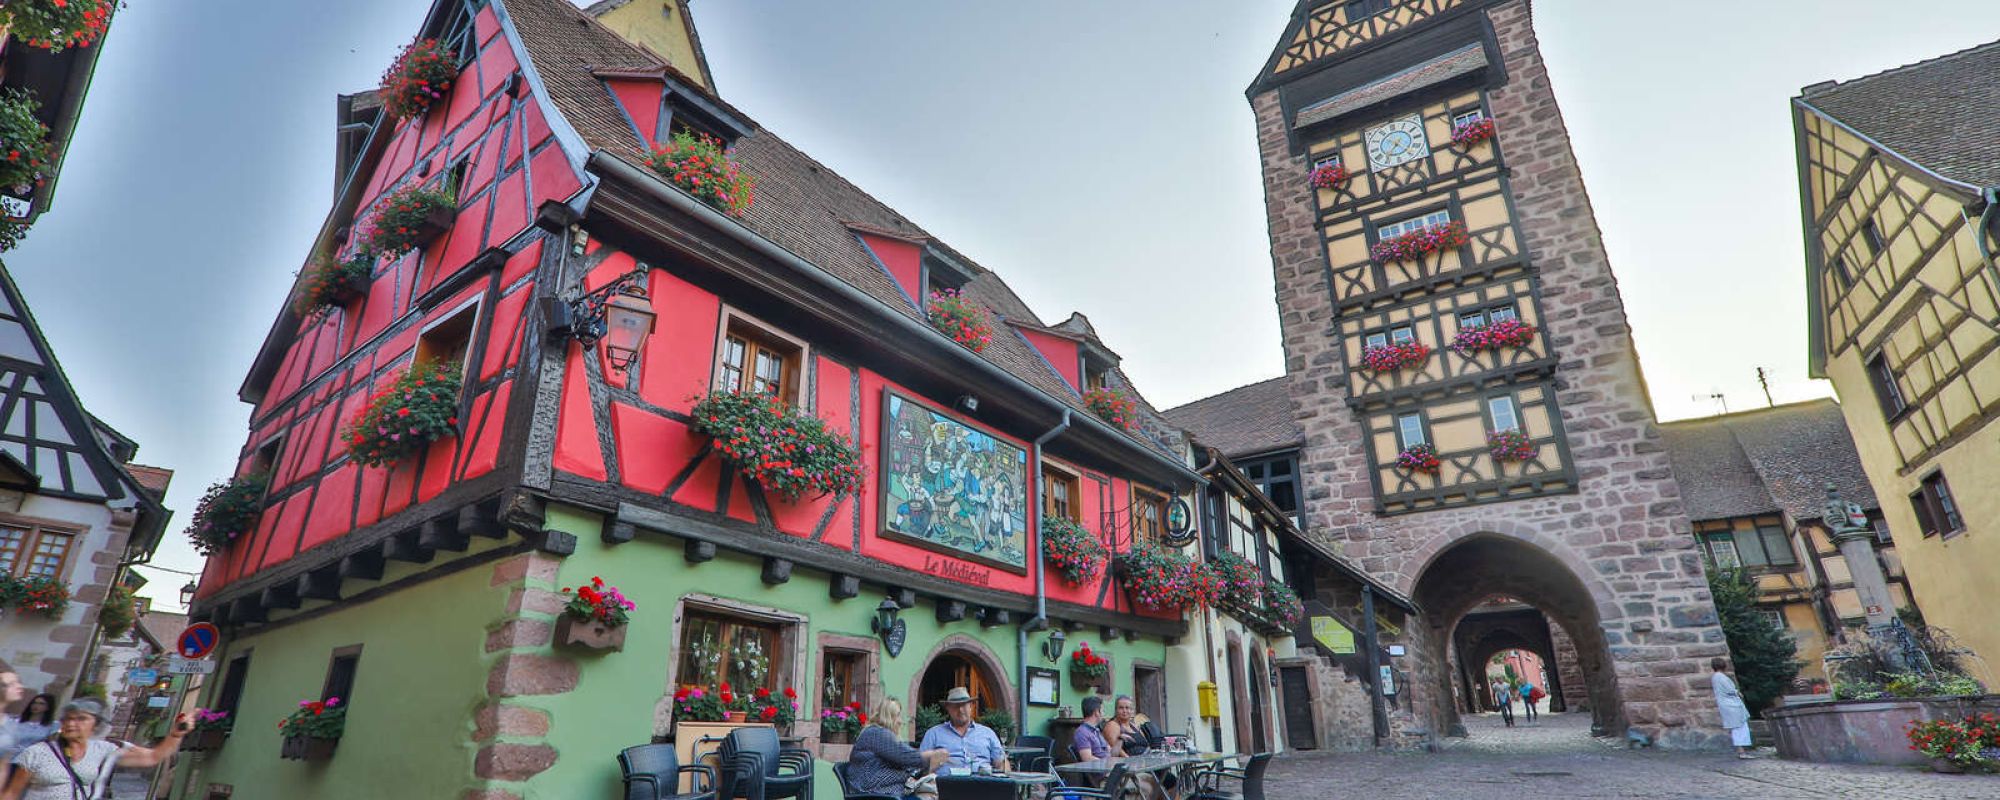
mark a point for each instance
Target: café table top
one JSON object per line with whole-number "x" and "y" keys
{"x": 1020, "y": 778}
{"x": 1150, "y": 762}
{"x": 1025, "y": 751}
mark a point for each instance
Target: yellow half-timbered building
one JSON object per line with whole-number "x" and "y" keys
{"x": 1899, "y": 186}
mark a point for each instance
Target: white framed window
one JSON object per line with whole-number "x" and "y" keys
{"x": 1502, "y": 313}
{"x": 1505, "y": 416}
{"x": 1467, "y": 118}
{"x": 1376, "y": 339}
{"x": 1775, "y": 616}
{"x": 1419, "y": 222}
{"x": 1722, "y": 550}
{"x": 1329, "y": 161}
{"x": 1410, "y": 429}
{"x": 1402, "y": 334}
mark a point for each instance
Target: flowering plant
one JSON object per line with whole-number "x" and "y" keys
{"x": 23, "y": 139}
{"x": 1073, "y": 551}
{"x": 701, "y": 167}
{"x": 1330, "y": 175}
{"x": 1392, "y": 357}
{"x": 731, "y": 701}
{"x": 1164, "y": 580}
{"x": 55, "y": 24}
{"x": 1503, "y": 333}
{"x": 1087, "y": 665}
{"x": 1472, "y": 132}
{"x": 118, "y": 612}
{"x": 1113, "y": 406}
{"x": 1511, "y": 444}
{"x": 400, "y": 221}
{"x": 226, "y": 511}
{"x": 1420, "y": 242}
{"x": 421, "y": 75}
{"x": 1419, "y": 458}
{"x": 775, "y": 708}
{"x": 959, "y": 319}
{"x": 419, "y": 407}
{"x": 695, "y": 704}
{"x": 847, "y": 719}
{"x": 1240, "y": 584}
{"x": 1282, "y": 605}
{"x": 599, "y": 603}
{"x": 36, "y": 594}
{"x": 327, "y": 284}
{"x": 206, "y": 720}
{"x": 1958, "y": 742}
{"x": 783, "y": 449}
{"x": 319, "y": 719}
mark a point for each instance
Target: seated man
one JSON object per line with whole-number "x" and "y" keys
{"x": 1088, "y": 741}
{"x": 967, "y": 744}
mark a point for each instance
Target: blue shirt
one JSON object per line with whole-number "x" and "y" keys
{"x": 1089, "y": 742}
{"x": 979, "y": 746}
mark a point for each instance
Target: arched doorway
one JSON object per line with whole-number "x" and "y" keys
{"x": 962, "y": 661}
{"x": 1260, "y": 682}
{"x": 1238, "y": 692}
{"x": 1475, "y": 569}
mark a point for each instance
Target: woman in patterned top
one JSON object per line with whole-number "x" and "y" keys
{"x": 74, "y": 764}
{"x": 880, "y": 763}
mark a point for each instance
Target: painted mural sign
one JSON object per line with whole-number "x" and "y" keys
{"x": 952, "y": 487}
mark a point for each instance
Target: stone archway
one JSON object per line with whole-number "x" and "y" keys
{"x": 1474, "y": 568}
{"x": 960, "y": 660}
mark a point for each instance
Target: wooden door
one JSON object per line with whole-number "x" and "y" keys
{"x": 1150, "y": 692}
{"x": 1297, "y": 696}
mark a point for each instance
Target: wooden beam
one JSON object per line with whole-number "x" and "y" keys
{"x": 842, "y": 587}
{"x": 443, "y": 533}
{"x": 950, "y": 610}
{"x": 246, "y": 609}
{"x": 698, "y": 551}
{"x": 555, "y": 542}
{"x": 617, "y": 532}
{"x": 481, "y": 519}
{"x": 279, "y": 596}
{"x": 777, "y": 571}
{"x": 366, "y": 565}
{"x": 906, "y": 598}
{"x": 404, "y": 547}
{"x": 320, "y": 584}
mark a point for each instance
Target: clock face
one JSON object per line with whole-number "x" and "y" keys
{"x": 1397, "y": 141}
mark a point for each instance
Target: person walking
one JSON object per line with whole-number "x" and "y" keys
{"x": 1503, "y": 696}
{"x": 1528, "y": 698}
{"x": 1729, "y": 701}
{"x": 76, "y": 764}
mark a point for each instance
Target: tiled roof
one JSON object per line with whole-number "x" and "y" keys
{"x": 801, "y": 205}
{"x": 1243, "y": 421}
{"x": 1437, "y": 70}
{"x": 1938, "y": 113}
{"x": 1763, "y": 461}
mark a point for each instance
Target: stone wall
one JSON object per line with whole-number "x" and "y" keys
{"x": 1569, "y": 671}
{"x": 1623, "y": 535}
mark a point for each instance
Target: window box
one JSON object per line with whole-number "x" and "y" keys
{"x": 1420, "y": 242}
{"x": 36, "y": 594}
{"x": 1089, "y": 671}
{"x": 313, "y": 730}
{"x": 797, "y": 457}
{"x": 421, "y": 76}
{"x": 204, "y": 741}
{"x": 959, "y": 318}
{"x": 1330, "y": 175}
{"x": 405, "y": 220}
{"x": 594, "y": 618}
{"x": 416, "y": 409}
{"x": 588, "y": 634}
{"x": 699, "y": 165}
{"x": 330, "y": 284}
{"x": 1510, "y": 445}
{"x": 1471, "y": 132}
{"x": 1499, "y": 334}
{"x": 308, "y": 748}
{"x": 1160, "y": 579}
{"x": 55, "y": 24}
{"x": 1075, "y": 553}
{"x": 1419, "y": 458}
{"x": 1382, "y": 358}
{"x": 1112, "y": 406}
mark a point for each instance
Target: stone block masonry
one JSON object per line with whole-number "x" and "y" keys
{"x": 1612, "y": 563}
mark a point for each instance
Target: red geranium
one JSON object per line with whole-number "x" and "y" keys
{"x": 422, "y": 74}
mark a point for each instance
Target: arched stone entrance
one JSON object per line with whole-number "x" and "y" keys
{"x": 961, "y": 660}
{"x": 1475, "y": 568}
{"x": 1496, "y": 626}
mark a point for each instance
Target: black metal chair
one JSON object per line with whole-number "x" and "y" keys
{"x": 1249, "y": 781}
{"x": 653, "y": 772}
{"x": 1113, "y": 781}
{"x": 756, "y": 767}
{"x": 847, "y": 789}
{"x": 1041, "y": 763}
{"x": 976, "y": 787}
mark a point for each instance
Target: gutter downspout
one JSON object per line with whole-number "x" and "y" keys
{"x": 1992, "y": 195}
{"x": 1040, "y": 621}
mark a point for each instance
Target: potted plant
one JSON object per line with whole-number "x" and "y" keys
{"x": 1087, "y": 669}
{"x": 594, "y": 618}
{"x": 1381, "y": 358}
{"x": 928, "y": 717}
{"x": 327, "y": 284}
{"x": 24, "y": 141}
{"x": 840, "y": 724}
{"x": 778, "y": 709}
{"x": 735, "y": 706}
{"x": 782, "y": 449}
{"x": 405, "y": 219}
{"x": 416, "y": 409}
{"x": 1472, "y": 132}
{"x": 36, "y": 594}
{"x": 1240, "y": 585}
{"x": 1112, "y": 406}
{"x": 211, "y": 730}
{"x": 1951, "y": 746}
{"x": 312, "y": 732}
{"x": 696, "y": 704}
{"x": 962, "y": 320}
{"x": 1420, "y": 242}
{"x": 228, "y": 510}
{"x": 1510, "y": 445}
{"x": 1076, "y": 553}
{"x": 55, "y": 24}
{"x": 1329, "y": 175}
{"x": 1419, "y": 458}
{"x": 700, "y": 166}
{"x": 1503, "y": 333}
{"x": 118, "y": 612}
{"x": 1282, "y": 605}
{"x": 420, "y": 76}
{"x": 1159, "y": 579}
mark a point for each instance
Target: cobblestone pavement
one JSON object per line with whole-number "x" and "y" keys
{"x": 1556, "y": 758}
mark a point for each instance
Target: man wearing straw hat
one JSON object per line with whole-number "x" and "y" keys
{"x": 969, "y": 744}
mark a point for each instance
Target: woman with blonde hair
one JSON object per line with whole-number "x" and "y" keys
{"x": 76, "y": 763}
{"x": 881, "y": 763}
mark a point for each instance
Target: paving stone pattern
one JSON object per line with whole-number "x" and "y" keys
{"x": 1556, "y": 758}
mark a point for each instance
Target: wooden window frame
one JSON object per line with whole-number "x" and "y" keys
{"x": 1937, "y": 508}
{"x": 1147, "y": 498}
{"x": 1423, "y": 428}
{"x": 760, "y": 337}
{"x": 1328, "y": 161}
{"x": 1762, "y": 531}
{"x": 1375, "y": 339}
{"x": 1882, "y": 379}
{"x": 1513, "y": 409}
{"x": 228, "y": 695}
{"x": 1871, "y": 235}
{"x": 1843, "y": 274}
{"x": 1413, "y": 222}
{"x": 476, "y": 307}
{"x": 35, "y": 531}
{"x": 867, "y": 649}
{"x": 786, "y": 662}
{"x": 352, "y": 651}
{"x": 1073, "y": 481}
{"x": 1409, "y": 334}
{"x": 1368, "y": 8}
{"x": 1464, "y": 118}
{"x": 1712, "y": 540}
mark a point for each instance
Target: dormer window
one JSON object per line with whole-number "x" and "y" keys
{"x": 942, "y": 272}
{"x": 1360, "y": 9}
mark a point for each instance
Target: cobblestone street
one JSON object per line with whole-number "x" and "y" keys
{"x": 1556, "y": 758}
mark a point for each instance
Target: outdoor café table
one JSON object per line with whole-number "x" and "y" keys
{"x": 1150, "y": 762}
{"x": 1023, "y": 781}
{"x": 1016, "y": 754}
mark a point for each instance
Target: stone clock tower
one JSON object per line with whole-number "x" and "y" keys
{"x": 1458, "y": 357}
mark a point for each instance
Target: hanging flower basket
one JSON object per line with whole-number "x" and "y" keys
{"x": 40, "y": 595}
{"x": 1075, "y": 553}
{"x": 1472, "y": 133}
{"x": 329, "y": 284}
{"x": 1510, "y": 445}
{"x": 700, "y": 166}
{"x": 1419, "y": 243}
{"x": 1159, "y": 579}
{"x": 55, "y": 24}
{"x": 1330, "y": 176}
{"x": 119, "y": 610}
{"x": 594, "y": 618}
{"x": 418, "y": 408}
{"x": 785, "y": 450}
{"x": 421, "y": 76}
{"x": 1419, "y": 458}
{"x": 227, "y": 511}
{"x": 1240, "y": 585}
{"x": 24, "y": 141}
{"x": 1282, "y": 605}
{"x": 406, "y": 219}
{"x": 1505, "y": 333}
{"x": 1112, "y": 406}
{"x": 1393, "y": 357}
{"x": 958, "y": 318}
{"x": 1087, "y": 669}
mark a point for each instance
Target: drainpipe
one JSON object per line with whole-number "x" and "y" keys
{"x": 1992, "y": 195}
{"x": 1040, "y": 621}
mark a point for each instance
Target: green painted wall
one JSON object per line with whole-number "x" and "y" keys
{"x": 422, "y": 671}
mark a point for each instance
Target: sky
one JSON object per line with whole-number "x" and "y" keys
{"x": 1101, "y": 156}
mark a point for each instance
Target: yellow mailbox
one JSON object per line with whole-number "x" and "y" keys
{"x": 1211, "y": 707}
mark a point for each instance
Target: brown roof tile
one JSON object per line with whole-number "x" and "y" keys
{"x": 1767, "y": 460}
{"x": 1243, "y": 421}
{"x": 1939, "y": 113}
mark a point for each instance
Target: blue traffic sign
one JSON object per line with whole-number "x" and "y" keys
{"x": 198, "y": 640}
{"x": 143, "y": 676}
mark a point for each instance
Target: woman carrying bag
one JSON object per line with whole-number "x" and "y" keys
{"x": 75, "y": 764}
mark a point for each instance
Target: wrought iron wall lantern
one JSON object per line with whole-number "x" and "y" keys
{"x": 618, "y": 313}
{"x": 892, "y": 630}
{"x": 1052, "y": 648}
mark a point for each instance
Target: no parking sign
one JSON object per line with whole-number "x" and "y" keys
{"x": 197, "y": 641}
